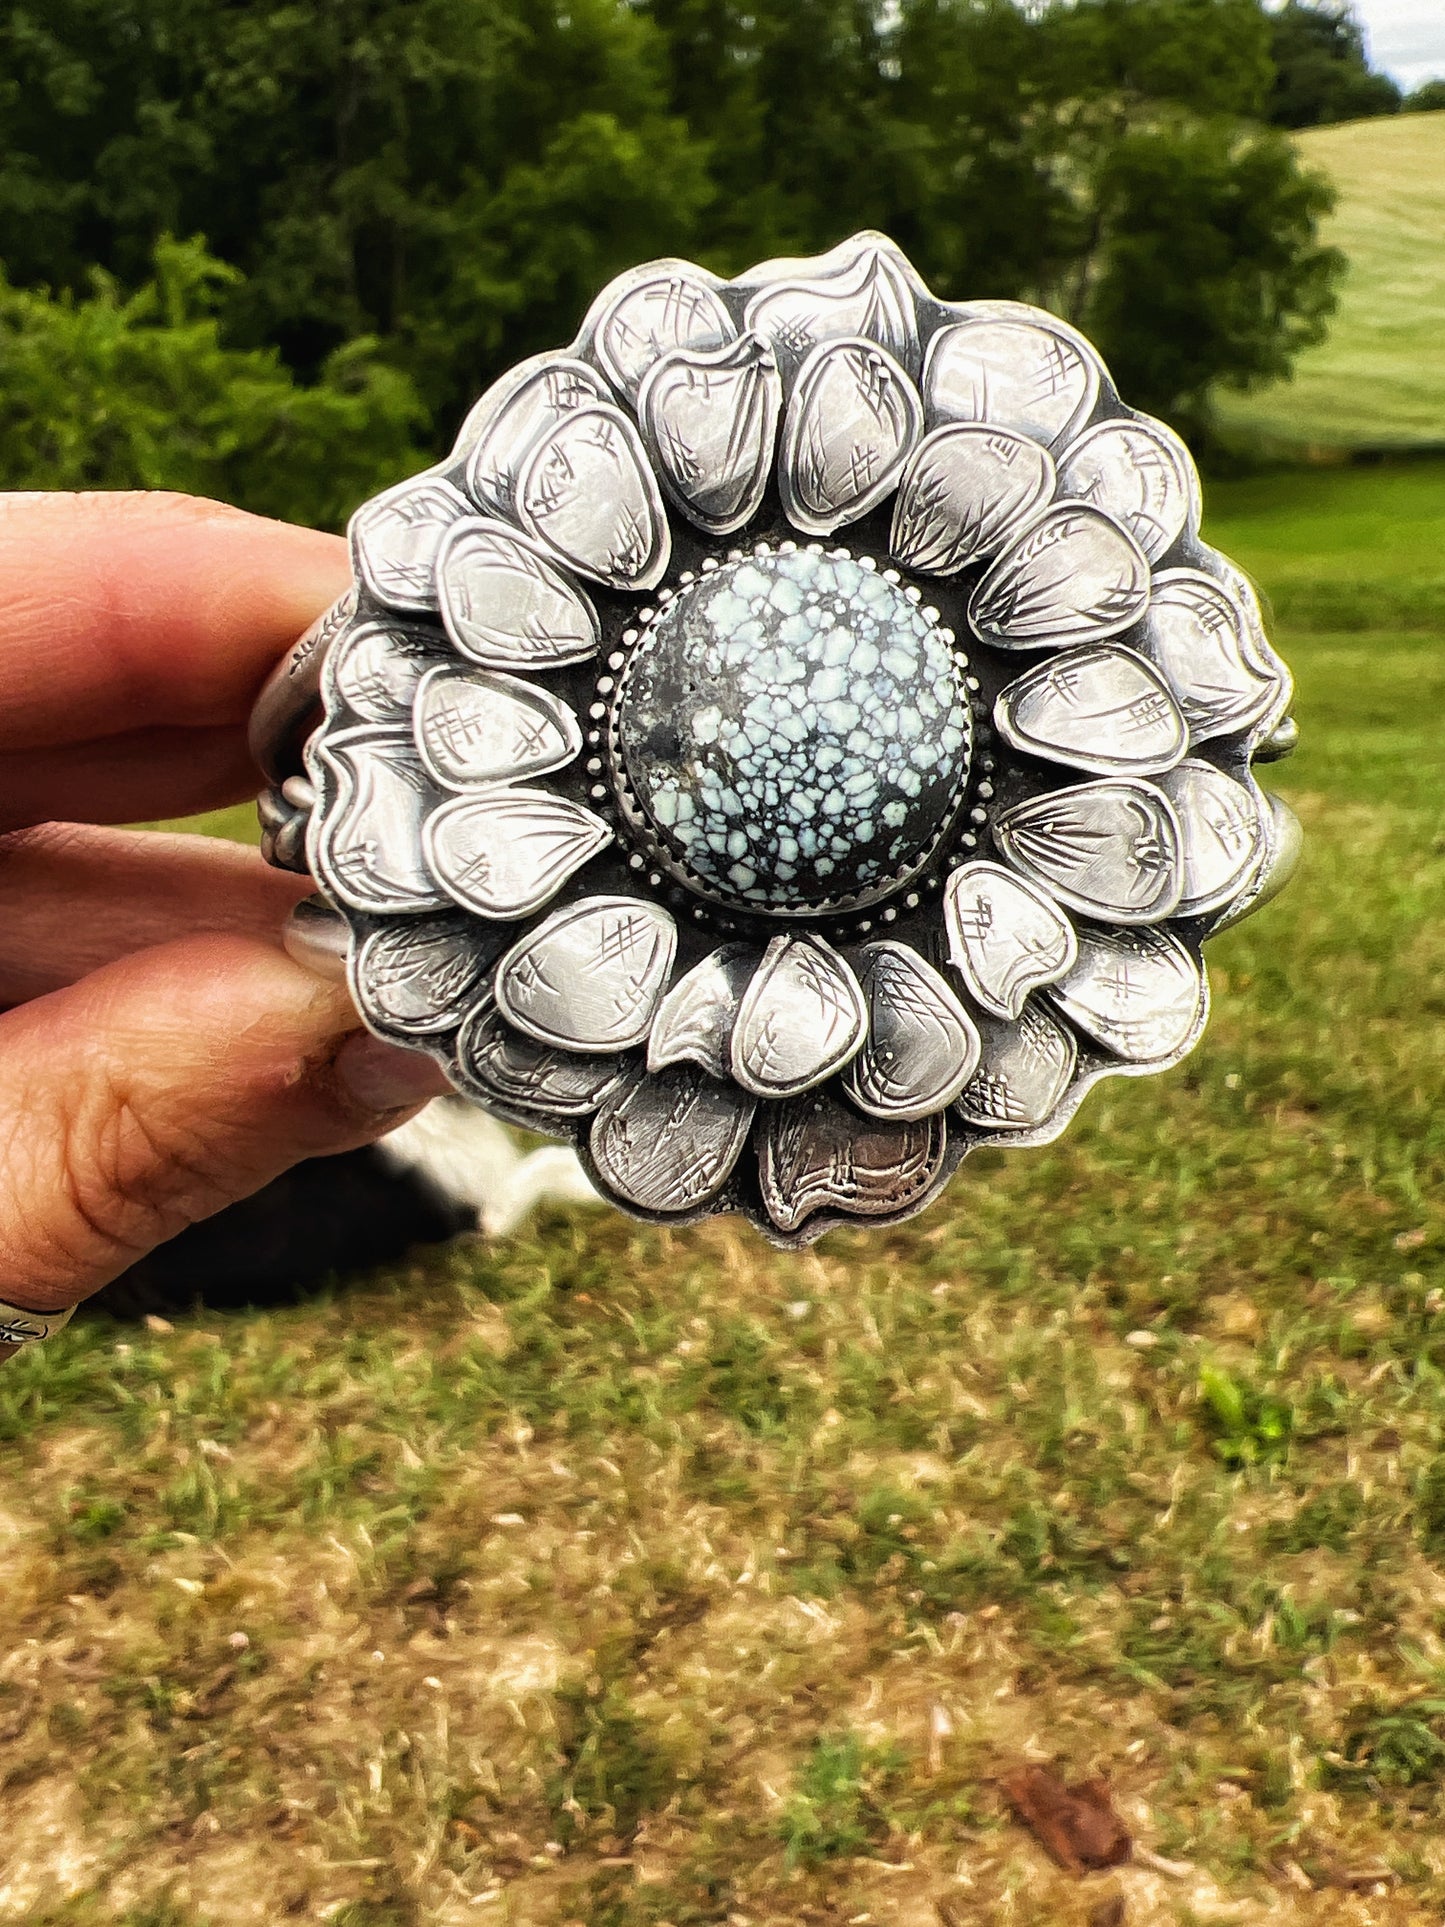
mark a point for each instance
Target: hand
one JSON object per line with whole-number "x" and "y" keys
{"x": 160, "y": 1054}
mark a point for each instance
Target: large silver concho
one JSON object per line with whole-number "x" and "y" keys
{"x": 796, "y": 736}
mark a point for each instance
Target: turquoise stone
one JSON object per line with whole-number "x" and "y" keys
{"x": 796, "y": 730}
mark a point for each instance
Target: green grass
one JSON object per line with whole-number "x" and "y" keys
{"x": 1378, "y": 381}
{"x": 620, "y": 1577}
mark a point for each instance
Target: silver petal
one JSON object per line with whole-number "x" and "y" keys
{"x": 395, "y": 538}
{"x": 1006, "y": 937}
{"x": 965, "y": 491}
{"x": 1113, "y": 849}
{"x": 506, "y": 604}
{"x": 1258, "y": 649}
{"x": 1284, "y": 839}
{"x": 515, "y": 1073}
{"x": 588, "y": 492}
{"x": 668, "y": 1140}
{"x": 852, "y": 423}
{"x": 1138, "y": 992}
{"x": 590, "y": 977}
{"x": 1072, "y": 575}
{"x": 365, "y": 837}
{"x": 695, "y": 1020}
{"x": 922, "y": 1046}
{"x": 1140, "y": 473}
{"x": 867, "y": 295}
{"x": 418, "y": 977}
{"x": 1027, "y": 1068}
{"x": 817, "y": 1155}
{"x": 474, "y": 726}
{"x": 1225, "y": 839}
{"x": 1099, "y": 707}
{"x": 712, "y": 422}
{"x": 506, "y": 852}
{"x": 654, "y": 310}
{"x": 802, "y": 1018}
{"x": 528, "y": 400}
{"x": 1016, "y": 373}
{"x": 375, "y": 669}
{"x": 1195, "y": 635}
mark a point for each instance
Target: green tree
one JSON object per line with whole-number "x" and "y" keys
{"x": 1322, "y": 73}
{"x": 1427, "y": 98}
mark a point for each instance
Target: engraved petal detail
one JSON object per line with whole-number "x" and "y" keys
{"x": 1111, "y": 849}
{"x": 668, "y": 1141}
{"x": 1195, "y": 635}
{"x": 506, "y": 852}
{"x": 1026, "y": 1070}
{"x": 506, "y": 605}
{"x": 1140, "y": 473}
{"x": 695, "y": 1020}
{"x": 1072, "y": 575}
{"x": 922, "y": 1046}
{"x": 588, "y": 492}
{"x": 395, "y": 539}
{"x": 712, "y": 422}
{"x": 868, "y": 296}
{"x": 817, "y": 1155}
{"x": 967, "y": 488}
{"x": 669, "y": 305}
{"x": 418, "y": 977}
{"x": 1015, "y": 373}
{"x": 375, "y": 668}
{"x": 517, "y": 1074}
{"x": 1225, "y": 839}
{"x": 590, "y": 976}
{"x": 1006, "y": 936}
{"x": 1138, "y": 992}
{"x": 852, "y": 423}
{"x": 1100, "y": 707}
{"x": 367, "y": 832}
{"x": 499, "y": 433}
{"x": 474, "y": 726}
{"x": 802, "y": 1018}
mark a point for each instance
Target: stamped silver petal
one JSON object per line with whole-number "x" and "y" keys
{"x": 475, "y": 726}
{"x": 590, "y": 976}
{"x": 1098, "y": 707}
{"x": 967, "y": 488}
{"x": 1141, "y": 474}
{"x": 695, "y": 1020}
{"x": 507, "y": 605}
{"x": 1195, "y": 635}
{"x": 498, "y": 435}
{"x": 1225, "y": 838}
{"x": 365, "y": 838}
{"x": 653, "y": 310}
{"x": 1112, "y": 849}
{"x": 1006, "y": 936}
{"x": 1284, "y": 840}
{"x": 922, "y": 1046}
{"x": 588, "y": 492}
{"x": 1137, "y": 992}
{"x": 867, "y": 295}
{"x": 1071, "y": 575}
{"x": 668, "y": 1140}
{"x": 419, "y": 977}
{"x": 1258, "y": 649}
{"x": 1016, "y": 373}
{"x": 852, "y": 423}
{"x": 506, "y": 852}
{"x": 395, "y": 538}
{"x": 817, "y": 1155}
{"x": 1026, "y": 1069}
{"x": 501, "y": 1067}
{"x": 802, "y": 1018}
{"x": 711, "y": 420}
{"x": 375, "y": 668}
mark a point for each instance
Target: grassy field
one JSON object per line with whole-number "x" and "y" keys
{"x": 1379, "y": 380}
{"x": 618, "y": 1577}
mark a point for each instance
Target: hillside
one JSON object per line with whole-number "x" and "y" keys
{"x": 1379, "y": 380}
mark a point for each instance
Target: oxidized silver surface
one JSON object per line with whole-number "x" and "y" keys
{"x": 776, "y": 875}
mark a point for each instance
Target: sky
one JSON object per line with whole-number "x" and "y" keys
{"x": 1406, "y": 38}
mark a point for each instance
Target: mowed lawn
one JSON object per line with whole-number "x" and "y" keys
{"x": 616, "y": 1576}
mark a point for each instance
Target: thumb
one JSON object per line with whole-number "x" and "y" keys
{"x": 169, "y": 1084}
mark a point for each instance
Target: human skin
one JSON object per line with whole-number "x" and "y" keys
{"x": 160, "y": 1054}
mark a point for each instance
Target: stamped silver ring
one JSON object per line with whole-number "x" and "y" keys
{"x": 796, "y": 736}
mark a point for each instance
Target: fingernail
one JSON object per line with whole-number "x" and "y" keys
{"x": 384, "y": 1077}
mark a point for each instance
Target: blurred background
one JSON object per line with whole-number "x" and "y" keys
{"x": 611, "y": 1576}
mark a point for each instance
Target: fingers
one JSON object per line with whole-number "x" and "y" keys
{"x": 126, "y": 779}
{"x": 167, "y": 1085}
{"x": 127, "y": 612}
{"x": 76, "y": 898}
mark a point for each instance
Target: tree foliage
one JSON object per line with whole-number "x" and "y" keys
{"x": 1321, "y": 72}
